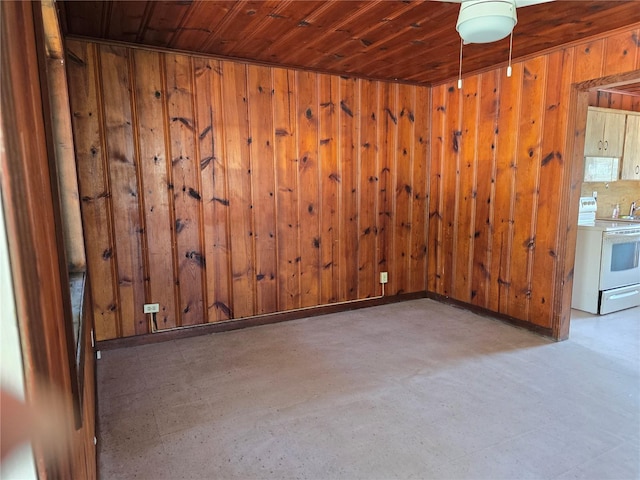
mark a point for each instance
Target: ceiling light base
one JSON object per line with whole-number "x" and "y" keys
{"x": 486, "y": 21}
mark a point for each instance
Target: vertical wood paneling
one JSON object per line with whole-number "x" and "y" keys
{"x": 349, "y": 161}
{"x": 419, "y": 203}
{"x": 527, "y": 178}
{"x": 403, "y": 190}
{"x": 261, "y": 189}
{"x": 123, "y": 179}
{"x": 450, "y": 188}
{"x": 287, "y": 195}
{"x": 588, "y": 60}
{"x": 436, "y": 196}
{"x": 216, "y": 200}
{"x": 260, "y": 88}
{"x": 83, "y": 74}
{"x": 368, "y": 231}
{"x": 465, "y": 233}
{"x": 206, "y": 145}
{"x": 521, "y": 175}
{"x": 236, "y": 132}
{"x": 619, "y": 53}
{"x": 306, "y": 89}
{"x": 185, "y": 188}
{"x": 329, "y": 185}
{"x": 298, "y": 171}
{"x": 386, "y": 175}
{"x": 147, "y": 77}
{"x": 485, "y": 186}
{"x": 506, "y": 140}
{"x": 552, "y": 159}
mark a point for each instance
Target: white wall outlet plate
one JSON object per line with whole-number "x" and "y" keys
{"x": 384, "y": 277}
{"x": 151, "y": 307}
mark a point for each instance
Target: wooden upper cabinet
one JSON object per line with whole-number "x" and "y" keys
{"x": 604, "y": 136}
{"x": 631, "y": 155}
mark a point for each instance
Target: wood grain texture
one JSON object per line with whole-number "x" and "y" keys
{"x": 262, "y": 134}
{"x": 496, "y": 153}
{"x": 121, "y": 165}
{"x": 368, "y": 218}
{"x": 522, "y": 258}
{"x": 154, "y": 177}
{"x": 236, "y": 138}
{"x": 184, "y": 188}
{"x": 28, "y": 186}
{"x": 257, "y": 190}
{"x": 329, "y": 189}
{"x": 405, "y": 41}
{"x": 307, "y": 114}
{"x": 86, "y": 114}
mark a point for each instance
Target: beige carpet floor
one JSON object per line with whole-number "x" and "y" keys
{"x": 415, "y": 390}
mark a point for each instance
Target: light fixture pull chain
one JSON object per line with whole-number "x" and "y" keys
{"x": 510, "y": 50}
{"x": 460, "y": 70}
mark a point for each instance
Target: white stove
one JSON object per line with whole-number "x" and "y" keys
{"x": 607, "y": 264}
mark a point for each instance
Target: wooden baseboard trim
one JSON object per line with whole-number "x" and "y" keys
{"x": 544, "y": 331}
{"x": 255, "y": 321}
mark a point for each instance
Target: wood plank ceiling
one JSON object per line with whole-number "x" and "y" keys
{"x": 409, "y": 41}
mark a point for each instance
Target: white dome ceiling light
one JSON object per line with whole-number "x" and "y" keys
{"x": 486, "y": 21}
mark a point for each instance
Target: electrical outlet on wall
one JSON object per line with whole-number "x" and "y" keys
{"x": 384, "y": 277}
{"x": 151, "y": 307}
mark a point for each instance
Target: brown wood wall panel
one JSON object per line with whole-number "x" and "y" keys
{"x": 420, "y": 197}
{"x": 466, "y": 173}
{"x": 92, "y": 184}
{"x": 288, "y": 227}
{"x": 261, "y": 95}
{"x": 329, "y": 176}
{"x": 236, "y": 132}
{"x": 222, "y": 190}
{"x": 522, "y": 165}
{"x": 486, "y": 135}
{"x": 436, "y": 197}
{"x": 559, "y": 68}
{"x": 308, "y": 179}
{"x": 217, "y": 211}
{"x": 450, "y": 189}
{"x": 306, "y": 193}
{"x": 154, "y": 181}
{"x": 368, "y": 218}
{"x": 527, "y": 166}
{"x": 618, "y": 101}
{"x": 121, "y": 165}
{"x": 386, "y": 182}
{"x": 349, "y": 112}
{"x": 28, "y": 186}
{"x": 403, "y": 189}
{"x": 185, "y": 188}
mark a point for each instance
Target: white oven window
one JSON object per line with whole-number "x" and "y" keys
{"x": 624, "y": 256}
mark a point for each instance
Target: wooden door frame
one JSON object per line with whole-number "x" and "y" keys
{"x": 28, "y": 188}
{"x": 572, "y": 182}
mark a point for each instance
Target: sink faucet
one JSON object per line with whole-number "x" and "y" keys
{"x": 633, "y": 209}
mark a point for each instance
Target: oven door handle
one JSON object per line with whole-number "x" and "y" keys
{"x": 624, "y": 295}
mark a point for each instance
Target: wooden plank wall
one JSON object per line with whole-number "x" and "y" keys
{"x": 614, "y": 100}
{"x": 498, "y": 165}
{"x": 222, "y": 190}
{"x": 28, "y": 189}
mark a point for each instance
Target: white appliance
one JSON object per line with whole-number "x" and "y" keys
{"x": 607, "y": 266}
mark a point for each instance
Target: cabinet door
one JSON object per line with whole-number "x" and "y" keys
{"x": 631, "y": 155}
{"x": 613, "y": 139}
{"x": 593, "y": 142}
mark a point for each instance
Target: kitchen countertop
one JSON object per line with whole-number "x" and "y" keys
{"x": 625, "y": 219}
